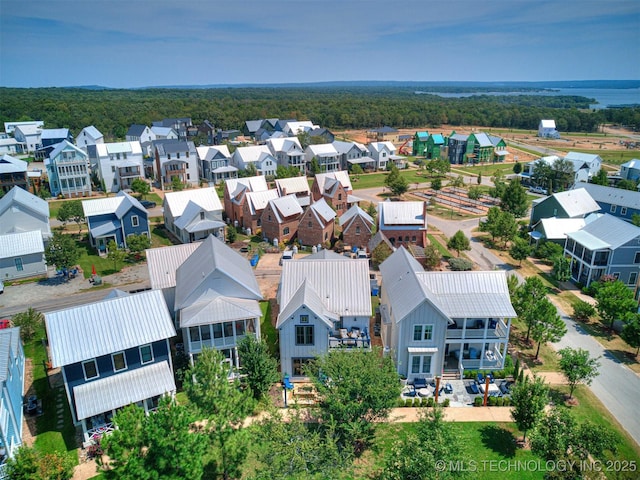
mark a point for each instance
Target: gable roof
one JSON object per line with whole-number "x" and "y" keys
{"x": 379, "y": 146}
{"x": 136, "y": 130}
{"x": 322, "y": 211}
{"x": 213, "y": 308}
{"x": 557, "y": 228}
{"x": 611, "y": 195}
{"x": 100, "y": 328}
{"x": 106, "y": 149}
{"x": 391, "y": 214}
{"x": 290, "y": 185}
{"x": 605, "y": 231}
{"x": 437, "y": 138}
{"x": 65, "y": 145}
{"x": 162, "y": 131}
{"x": 252, "y": 153}
{"x": 482, "y": 139}
{"x": 324, "y": 254}
{"x": 548, "y": 123}
{"x": 286, "y": 206}
{"x": 216, "y": 268}
{"x": 422, "y": 136}
{"x": 173, "y": 145}
{"x": 25, "y": 199}
{"x": 259, "y": 200}
{"x": 92, "y": 132}
{"x": 355, "y": 211}
{"x": 205, "y": 198}
{"x": 9, "y": 349}
{"x": 55, "y": 133}
{"x": 284, "y": 144}
{"x": 345, "y": 147}
{"x": 163, "y": 263}
{"x": 326, "y": 181}
{"x": 212, "y": 152}
{"x": 323, "y": 150}
{"x": 576, "y": 202}
{"x": 9, "y": 164}
{"x": 306, "y": 296}
{"x": 21, "y": 243}
{"x": 233, "y": 186}
{"x": 582, "y": 157}
{"x": 377, "y": 239}
{"x": 633, "y": 163}
{"x": 118, "y": 205}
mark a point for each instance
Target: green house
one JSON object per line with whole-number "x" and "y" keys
{"x": 435, "y": 143}
{"x": 420, "y": 143}
{"x": 499, "y": 148}
{"x": 479, "y": 148}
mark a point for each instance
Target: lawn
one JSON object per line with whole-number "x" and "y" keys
{"x": 267, "y": 331}
{"x": 615, "y": 157}
{"x": 436, "y": 242}
{"x": 372, "y": 180}
{"x": 486, "y": 169}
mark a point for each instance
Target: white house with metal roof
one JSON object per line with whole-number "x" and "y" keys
{"x": 11, "y": 390}
{"x": 258, "y": 155}
{"x": 13, "y": 172}
{"x": 618, "y": 202}
{"x": 216, "y": 300}
{"x": 174, "y": 159}
{"x": 21, "y": 211}
{"x": 29, "y": 136}
{"x": 605, "y": 246}
{"x": 113, "y": 353}
{"x": 22, "y": 255}
{"x": 325, "y": 154}
{"x": 443, "y": 322}
{"x": 589, "y": 161}
{"x": 288, "y": 152}
{"x": 325, "y": 304}
{"x": 403, "y": 222}
{"x": 115, "y": 218}
{"x": 215, "y": 163}
{"x": 117, "y": 164}
{"x": 193, "y": 214}
{"x": 299, "y": 186}
{"x": 547, "y": 129}
{"x": 576, "y": 203}
{"x": 630, "y": 170}
{"x": 353, "y": 153}
{"x": 556, "y": 229}
{"x": 89, "y": 136}
{"x": 383, "y": 153}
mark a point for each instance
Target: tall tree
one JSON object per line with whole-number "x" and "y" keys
{"x": 432, "y": 257}
{"x": 561, "y": 268}
{"x": 356, "y": 170}
{"x": 138, "y": 243}
{"x": 314, "y": 167}
{"x": 61, "y": 251}
{"x": 601, "y": 178}
{"x": 631, "y": 331}
{"x": 563, "y": 175}
{"x": 514, "y": 199}
{"x": 251, "y": 170}
{"x": 517, "y": 168}
{"x": 520, "y": 249}
{"x": 141, "y": 187}
{"x": 259, "y": 368}
{"x": 528, "y": 398}
{"x": 614, "y": 301}
{"x": 115, "y": 254}
{"x": 176, "y": 184}
{"x": 357, "y": 391}
{"x": 525, "y": 300}
{"x": 500, "y": 225}
{"x": 396, "y": 183}
{"x": 71, "y": 211}
{"x": 224, "y": 405}
{"x": 459, "y": 242}
{"x": 548, "y": 326}
{"x": 436, "y": 185}
{"x": 29, "y": 322}
{"x": 578, "y": 367}
{"x": 31, "y": 464}
{"x": 474, "y": 193}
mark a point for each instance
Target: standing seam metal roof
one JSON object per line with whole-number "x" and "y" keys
{"x": 21, "y": 243}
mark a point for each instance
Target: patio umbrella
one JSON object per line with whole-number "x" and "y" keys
{"x": 93, "y": 270}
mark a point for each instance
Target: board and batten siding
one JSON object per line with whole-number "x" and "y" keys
{"x": 288, "y": 347}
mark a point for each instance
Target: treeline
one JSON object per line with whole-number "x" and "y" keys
{"x": 113, "y": 111}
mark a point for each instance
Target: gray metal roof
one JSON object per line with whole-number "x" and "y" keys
{"x": 214, "y": 266}
{"x": 353, "y": 212}
{"x": 66, "y": 145}
{"x": 286, "y": 186}
{"x": 606, "y": 231}
{"x": 483, "y": 139}
{"x": 323, "y": 211}
{"x": 576, "y": 202}
{"x": 167, "y": 146}
{"x": 118, "y": 205}
{"x": 105, "y": 228}
{"x": 9, "y": 164}
{"x": 89, "y": 331}
{"x": 323, "y": 254}
{"x": 308, "y": 297}
{"x": 286, "y": 206}
{"x": 163, "y": 263}
{"x": 93, "y": 132}
{"x": 611, "y": 195}
{"x": 115, "y": 391}
{"x": 343, "y": 286}
{"x": 54, "y": 133}
{"x": 9, "y": 348}
{"x": 402, "y": 213}
{"x": 207, "y": 198}
{"x": 213, "y": 308}
{"x": 257, "y": 201}
{"x": 21, "y": 243}
{"x": 136, "y": 130}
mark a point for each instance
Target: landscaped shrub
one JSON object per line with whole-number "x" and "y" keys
{"x": 506, "y": 401}
{"x": 418, "y": 402}
{"x": 500, "y": 402}
{"x": 492, "y": 401}
{"x": 446, "y": 402}
{"x": 430, "y": 402}
{"x": 460, "y": 264}
{"x": 477, "y": 402}
{"x": 583, "y": 310}
{"x": 508, "y": 366}
{"x": 408, "y": 402}
{"x": 400, "y": 402}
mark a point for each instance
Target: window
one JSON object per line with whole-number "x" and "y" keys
{"x": 119, "y": 361}
{"x": 633, "y": 278}
{"x": 194, "y": 334}
{"x": 310, "y": 224}
{"x": 304, "y": 318}
{"x": 146, "y": 354}
{"x": 285, "y": 231}
{"x": 422, "y": 332}
{"x": 613, "y": 208}
{"x": 113, "y": 169}
{"x": 357, "y": 230}
{"x": 168, "y": 156}
{"x": 90, "y": 368}
{"x": 623, "y": 211}
{"x": 201, "y": 215}
{"x": 616, "y": 275}
{"x": 19, "y": 266}
{"x": 178, "y": 155}
{"x": 205, "y": 332}
{"x": 134, "y": 221}
{"x": 304, "y": 334}
{"x": 636, "y": 259}
{"x": 420, "y": 363}
{"x": 298, "y": 364}
{"x": 339, "y": 196}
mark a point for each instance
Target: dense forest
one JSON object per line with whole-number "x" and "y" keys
{"x": 341, "y": 107}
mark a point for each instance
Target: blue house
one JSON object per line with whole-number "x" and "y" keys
{"x": 115, "y": 218}
{"x": 113, "y": 353}
{"x": 49, "y": 138}
{"x": 12, "y": 385}
{"x": 618, "y": 202}
{"x": 68, "y": 171}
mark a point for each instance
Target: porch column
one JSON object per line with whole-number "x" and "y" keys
{"x": 237, "y": 358}
{"x": 84, "y": 429}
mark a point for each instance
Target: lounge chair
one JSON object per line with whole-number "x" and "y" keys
{"x": 419, "y": 382}
{"x": 287, "y": 383}
{"x": 480, "y": 377}
{"x": 474, "y": 389}
{"x": 503, "y": 388}
{"x": 491, "y": 377}
{"x": 448, "y": 388}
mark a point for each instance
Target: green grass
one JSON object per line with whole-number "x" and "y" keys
{"x": 267, "y": 331}
{"x": 159, "y": 235}
{"x": 54, "y": 208}
{"x": 440, "y": 247}
{"x": 486, "y": 169}
{"x": 89, "y": 258}
{"x": 49, "y": 437}
{"x": 615, "y": 157}
{"x": 372, "y": 180}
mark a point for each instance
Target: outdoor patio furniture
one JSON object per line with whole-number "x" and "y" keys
{"x": 424, "y": 392}
{"x": 474, "y": 389}
{"x": 409, "y": 391}
{"x": 419, "y": 383}
{"x": 287, "y": 383}
{"x": 504, "y": 388}
{"x": 480, "y": 377}
{"x": 448, "y": 388}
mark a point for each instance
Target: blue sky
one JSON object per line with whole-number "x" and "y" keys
{"x": 133, "y": 43}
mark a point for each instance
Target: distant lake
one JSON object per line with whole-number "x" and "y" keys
{"x": 604, "y": 96}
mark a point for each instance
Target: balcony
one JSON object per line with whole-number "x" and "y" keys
{"x": 355, "y": 339}
{"x": 491, "y": 359}
{"x": 474, "y": 330}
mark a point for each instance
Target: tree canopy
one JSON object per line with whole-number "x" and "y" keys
{"x": 614, "y": 301}
{"x": 578, "y": 367}
{"x": 529, "y": 398}
{"x": 71, "y": 211}
{"x": 61, "y": 251}
{"x": 259, "y": 368}
{"x": 514, "y": 199}
{"x": 459, "y": 242}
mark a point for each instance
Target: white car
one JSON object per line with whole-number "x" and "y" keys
{"x": 540, "y": 190}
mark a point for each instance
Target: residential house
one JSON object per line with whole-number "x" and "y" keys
{"x": 591, "y": 162}
{"x": 140, "y": 133}
{"x": 29, "y": 136}
{"x": 291, "y": 128}
{"x": 288, "y": 152}
{"x": 383, "y": 134}
{"x": 556, "y": 229}
{"x": 68, "y": 170}
{"x": 235, "y": 191}
{"x": 163, "y": 133}
{"x": 117, "y": 164}
{"x": 631, "y": 170}
{"x": 384, "y": 152}
{"x": 457, "y": 148}
{"x": 208, "y": 130}
{"x": 175, "y": 160}
{"x": 12, "y": 365}
{"x": 115, "y": 219}
{"x": 280, "y": 219}
{"x": 252, "y": 127}
{"x": 500, "y": 151}
{"x": 49, "y": 138}
{"x": 576, "y": 203}
{"x": 22, "y": 255}
{"x": 443, "y": 322}
{"x": 605, "y": 246}
{"x": 181, "y": 126}
{"x": 112, "y": 353}
{"x": 10, "y": 146}
{"x": 581, "y": 171}
{"x": 618, "y": 202}
{"x": 435, "y": 146}
{"x": 224, "y": 136}
{"x": 214, "y": 164}
{"x": 253, "y": 206}
{"x": 193, "y": 214}
{"x": 357, "y": 227}
{"x": 354, "y": 153}
{"x": 13, "y": 173}
{"x": 403, "y": 223}
{"x": 10, "y": 127}
{"x": 325, "y": 304}
{"x": 258, "y": 155}
{"x": 325, "y": 154}
{"x": 317, "y": 224}
{"x": 420, "y": 143}
{"x": 547, "y": 129}
{"x": 216, "y": 301}
{"x": 479, "y": 148}
{"x": 299, "y": 186}
{"x": 321, "y": 134}
{"x": 21, "y": 211}
{"x": 89, "y": 136}
{"x": 336, "y": 189}
{"x": 163, "y": 264}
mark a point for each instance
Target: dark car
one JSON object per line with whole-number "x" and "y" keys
{"x": 147, "y": 203}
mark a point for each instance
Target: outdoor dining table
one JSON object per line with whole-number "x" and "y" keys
{"x": 493, "y": 389}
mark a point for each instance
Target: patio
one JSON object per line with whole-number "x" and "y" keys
{"x": 461, "y": 394}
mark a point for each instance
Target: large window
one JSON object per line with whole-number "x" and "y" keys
{"x": 297, "y": 365}
{"x": 421, "y": 364}
{"x": 633, "y": 278}
{"x": 19, "y": 266}
{"x": 304, "y": 334}
{"x": 90, "y": 368}
{"x": 134, "y": 221}
{"x": 422, "y": 332}
{"x": 146, "y": 354}
{"x": 119, "y": 361}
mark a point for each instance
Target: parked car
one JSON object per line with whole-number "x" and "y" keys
{"x": 542, "y": 191}
{"x": 147, "y": 204}
{"x": 286, "y": 255}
